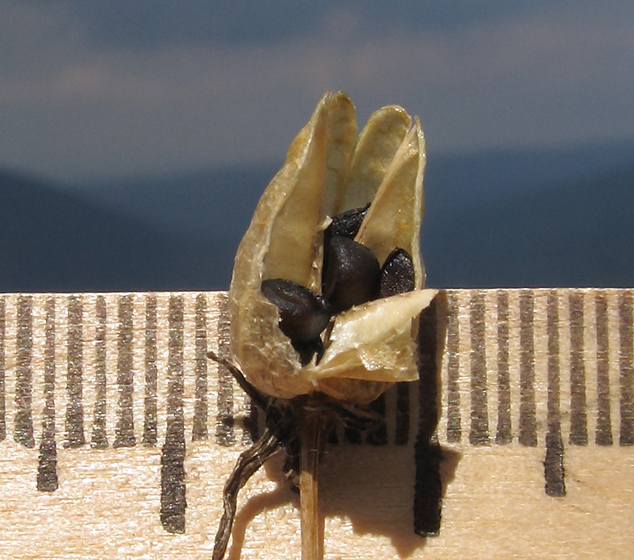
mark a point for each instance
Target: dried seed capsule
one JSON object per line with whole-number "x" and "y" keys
{"x": 351, "y": 276}
{"x": 397, "y": 274}
{"x": 332, "y": 171}
{"x": 302, "y": 314}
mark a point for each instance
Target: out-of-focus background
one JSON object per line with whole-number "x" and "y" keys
{"x": 136, "y": 137}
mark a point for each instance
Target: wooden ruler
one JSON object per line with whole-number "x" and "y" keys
{"x": 118, "y": 433}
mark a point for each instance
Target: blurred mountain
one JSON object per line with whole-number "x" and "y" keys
{"x": 523, "y": 218}
{"x": 572, "y": 234}
{"x": 52, "y": 240}
{"x": 217, "y": 204}
{"x": 210, "y": 204}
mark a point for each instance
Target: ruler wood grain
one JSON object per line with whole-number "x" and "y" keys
{"x": 117, "y": 434}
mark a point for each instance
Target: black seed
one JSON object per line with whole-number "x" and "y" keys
{"x": 346, "y": 224}
{"x": 303, "y": 315}
{"x": 351, "y": 274}
{"x": 397, "y": 274}
{"x": 306, "y": 350}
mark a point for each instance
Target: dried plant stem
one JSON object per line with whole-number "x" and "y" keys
{"x": 248, "y": 464}
{"x": 312, "y": 547}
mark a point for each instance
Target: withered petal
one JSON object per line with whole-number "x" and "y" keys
{"x": 378, "y": 143}
{"x": 395, "y": 215}
{"x": 374, "y": 341}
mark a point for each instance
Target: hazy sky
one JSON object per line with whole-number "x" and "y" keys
{"x": 92, "y": 88}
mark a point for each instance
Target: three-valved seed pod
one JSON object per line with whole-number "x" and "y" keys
{"x": 328, "y": 171}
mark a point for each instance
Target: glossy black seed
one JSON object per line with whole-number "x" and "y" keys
{"x": 303, "y": 315}
{"x": 397, "y": 274}
{"x": 351, "y": 274}
{"x": 346, "y": 224}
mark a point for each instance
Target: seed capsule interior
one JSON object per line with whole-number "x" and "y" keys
{"x": 351, "y": 276}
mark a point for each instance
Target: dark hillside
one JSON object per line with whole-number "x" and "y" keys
{"x": 579, "y": 234}
{"x": 51, "y": 240}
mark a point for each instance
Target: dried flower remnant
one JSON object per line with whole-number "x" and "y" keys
{"x": 327, "y": 283}
{"x": 330, "y": 173}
